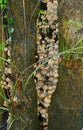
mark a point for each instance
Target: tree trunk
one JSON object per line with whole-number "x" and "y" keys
{"x": 24, "y": 110}
{"x": 66, "y": 111}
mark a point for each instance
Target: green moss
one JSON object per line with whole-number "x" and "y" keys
{"x": 69, "y": 37}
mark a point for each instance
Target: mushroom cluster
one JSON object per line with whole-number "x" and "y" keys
{"x": 6, "y": 77}
{"x": 46, "y": 76}
{"x": 7, "y": 84}
{"x": 6, "y": 81}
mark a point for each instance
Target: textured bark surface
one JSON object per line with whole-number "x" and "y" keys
{"x": 66, "y": 111}
{"x": 23, "y": 51}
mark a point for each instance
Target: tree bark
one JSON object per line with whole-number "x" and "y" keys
{"x": 66, "y": 111}
{"x": 23, "y": 56}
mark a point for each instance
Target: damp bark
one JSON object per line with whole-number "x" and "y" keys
{"x": 66, "y": 111}
{"x": 23, "y": 56}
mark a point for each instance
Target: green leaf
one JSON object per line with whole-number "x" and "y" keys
{"x": 42, "y": 12}
{"x": 43, "y": 22}
{"x": 3, "y": 6}
{"x": 2, "y": 45}
{"x": 4, "y": 108}
{"x": 5, "y": 16}
{"x": 10, "y": 124}
{"x": 5, "y": 1}
{"x": 10, "y": 30}
{"x": 11, "y": 21}
{"x": 1, "y": 1}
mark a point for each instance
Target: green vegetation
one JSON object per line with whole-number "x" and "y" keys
{"x": 76, "y": 23}
{"x": 76, "y": 48}
{"x": 41, "y": 12}
{"x": 10, "y": 21}
{"x": 10, "y": 30}
{"x": 66, "y": 43}
{"x": 3, "y": 3}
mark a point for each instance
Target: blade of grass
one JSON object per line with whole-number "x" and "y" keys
{"x": 78, "y": 42}
{"x": 11, "y": 124}
{"x": 71, "y": 50}
{"x": 4, "y": 97}
{"x": 14, "y": 88}
{"x": 24, "y": 127}
{"x": 4, "y": 108}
